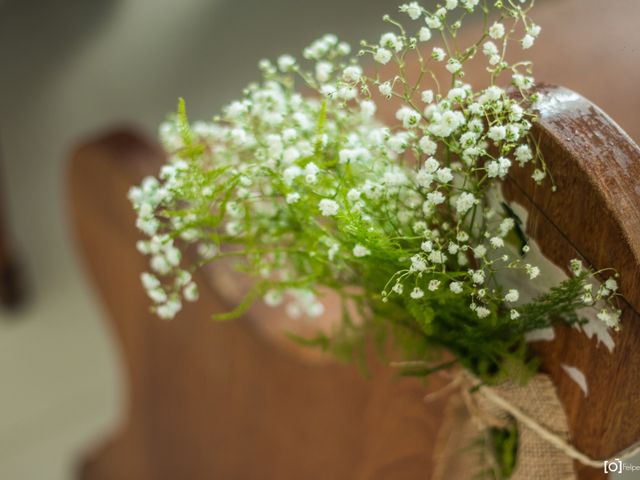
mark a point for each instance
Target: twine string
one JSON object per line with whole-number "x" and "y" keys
{"x": 547, "y": 435}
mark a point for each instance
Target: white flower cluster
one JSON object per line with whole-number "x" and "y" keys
{"x": 315, "y": 190}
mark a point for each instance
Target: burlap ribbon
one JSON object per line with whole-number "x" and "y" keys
{"x": 469, "y": 415}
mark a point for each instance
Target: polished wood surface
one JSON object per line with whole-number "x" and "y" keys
{"x": 594, "y": 215}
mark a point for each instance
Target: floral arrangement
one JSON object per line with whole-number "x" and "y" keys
{"x": 303, "y": 184}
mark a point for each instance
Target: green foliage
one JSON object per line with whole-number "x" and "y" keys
{"x": 400, "y": 220}
{"x": 505, "y": 447}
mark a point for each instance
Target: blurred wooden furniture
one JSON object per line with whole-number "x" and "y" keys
{"x": 215, "y": 400}
{"x": 218, "y": 400}
{"x": 11, "y": 286}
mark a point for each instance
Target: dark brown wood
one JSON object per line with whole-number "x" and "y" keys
{"x": 219, "y": 400}
{"x": 594, "y": 215}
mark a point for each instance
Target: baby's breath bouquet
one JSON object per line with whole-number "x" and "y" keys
{"x": 303, "y": 182}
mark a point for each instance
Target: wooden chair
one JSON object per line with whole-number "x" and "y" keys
{"x": 218, "y": 400}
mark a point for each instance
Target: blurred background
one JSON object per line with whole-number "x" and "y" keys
{"x": 68, "y": 70}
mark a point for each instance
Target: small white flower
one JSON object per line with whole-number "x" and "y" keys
{"x": 534, "y": 30}
{"x": 290, "y": 155}
{"x": 418, "y": 263}
{"x": 477, "y": 277}
{"x": 489, "y": 49}
{"x": 431, "y": 165}
{"x": 424, "y": 34}
{"x": 391, "y": 42}
{"x": 494, "y": 59}
{"x": 437, "y": 257}
{"x": 353, "y": 195}
{"x": 464, "y": 202}
{"x": 434, "y": 285}
{"x": 273, "y": 298}
{"x": 470, "y": 4}
{"x": 453, "y": 65}
{"x": 190, "y": 292}
{"x": 427, "y": 145}
{"x": 408, "y": 116}
{"x": 522, "y": 81}
{"x": 456, "y": 287}
{"x": 438, "y": 54}
{"x": 352, "y": 73}
{"x": 451, "y": 4}
{"x": 169, "y": 310}
{"x": 506, "y": 226}
{"x": 286, "y": 63}
{"x": 427, "y": 96}
{"x": 173, "y": 255}
{"x": 523, "y": 154}
{"x": 368, "y": 108}
{"x": 498, "y": 168}
{"x": 433, "y": 21}
{"x": 424, "y": 178}
{"x": 347, "y": 93}
{"x": 516, "y": 112}
{"x": 323, "y": 71}
{"x": 291, "y": 173}
{"x": 610, "y": 319}
{"x": 611, "y": 284}
{"x": 398, "y": 288}
{"x": 512, "y": 296}
{"x": 412, "y": 9}
{"x": 435, "y": 198}
{"x": 315, "y": 309}
{"x": 496, "y": 242}
{"x": 514, "y": 314}
{"x": 382, "y": 56}
{"x": 497, "y": 133}
{"x": 457, "y": 94}
{"x": 293, "y": 198}
{"x": 427, "y": 246}
{"x": 328, "y": 207}
{"x": 360, "y": 251}
{"x": 462, "y": 236}
{"x": 149, "y": 281}
{"x": 479, "y": 251}
{"x": 527, "y": 41}
{"x": 576, "y": 266}
{"x": 444, "y": 175}
{"x": 538, "y": 175}
{"x": 532, "y": 271}
{"x": 587, "y": 298}
{"x": 482, "y": 312}
{"x": 158, "y": 295}
{"x": 385, "y": 89}
{"x": 416, "y": 293}
{"x": 496, "y": 31}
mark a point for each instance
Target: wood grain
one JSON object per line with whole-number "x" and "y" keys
{"x": 594, "y": 215}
